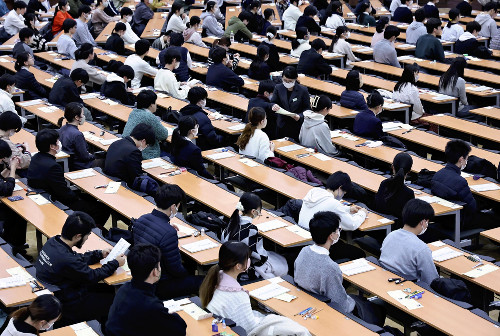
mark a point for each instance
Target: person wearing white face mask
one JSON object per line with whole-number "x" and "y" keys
{"x": 40, "y": 315}
{"x": 253, "y": 141}
{"x": 60, "y": 15}
{"x": 177, "y": 19}
{"x": 403, "y": 251}
{"x": 341, "y": 46}
{"x": 406, "y": 91}
{"x": 100, "y": 19}
{"x": 7, "y": 87}
{"x": 166, "y": 81}
{"x": 10, "y": 124}
{"x": 82, "y": 34}
{"x": 129, "y": 37}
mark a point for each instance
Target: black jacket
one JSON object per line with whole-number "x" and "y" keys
{"x": 64, "y": 91}
{"x": 123, "y": 160}
{"x": 403, "y": 14}
{"x": 136, "y": 311}
{"x": 465, "y": 8}
{"x": 431, "y": 11}
{"x": 45, "y": 173}
{"x": 115, "y": 43}
{"x": 26, "y": 80}
{"x": 207, "y": 137}
{"x": 313, "y": 64}
{"x": 296, "y": 102}
{"x": 118, "y": 90}
{"x": 7, "y": 186}
{"x": 222, "y": 77}
{"x": 189, "y": 156}
{"x": 260, "y": 71}
{"x": 397, "y": 202}
{"x": 255, "y": 24}
{"x": 35, "y": 6}
{"x": 261, "y": 101}
{"x": 472, "y": 47}
{"x": 309, "y": 23}
{"x": 59, "y": 265}
{"x": 274, "y": 57}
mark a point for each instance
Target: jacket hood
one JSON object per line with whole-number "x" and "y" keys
{"x": 112, "y": 77}
{"x": 315, "y": 196}
{"x": 190, "y": 109}
{"x": 415, "y": 25}
{"x": 482, "y": 18}
{"x": 188, "y": 33}
{"x": 466, "y": 36}
{"x": 205, "y": 15}
{"x": 312, "y": 119}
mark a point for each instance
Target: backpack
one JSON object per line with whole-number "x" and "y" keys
{"x": 476, "y": 165}
{"x": 208, "y": 221}
{"x": 171, "y": 116}
{"x": 424, "y": 178}
{"x": 278, "y": 163}
{"x": 452, "y": 288}
{"x": 393, "y": 142}
{"x": 145, "y": 184}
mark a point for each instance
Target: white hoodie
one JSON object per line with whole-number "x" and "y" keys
{"x": 315, "y": 133}
{"x": 319, "y": 199}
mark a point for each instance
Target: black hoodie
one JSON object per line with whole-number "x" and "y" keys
{"x": 207, "y": 137}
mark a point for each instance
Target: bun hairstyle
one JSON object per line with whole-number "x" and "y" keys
{"x": 452, "y": 15}
{"x": 210, "y": 6}
{"x": 375, "y": 99}
{"x": 271, "y": 32}
{"x": 179, "y": 135}
{"x": 71, "y": 111}
{"x": 381, "y": 23}
{"x": 193, "y": 21}
{"x": 84, "y": 51}
{"x": 255, "y": 116}
{"x": 319, "y": 103}
{"x": 401, "y": 165}
{"x": 20, "y": 60}
{"x": 338, "y": 32}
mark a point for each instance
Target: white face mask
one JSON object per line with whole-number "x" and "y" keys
{"x": 203, "y": 103}
{"x": 300, "y": 3}
{"x": 288, "y": 85}
{"x": 68, "y": 8}
{"x": 337, "y": 239}
{"x": 248, "y": 264}
{"x": 270, "y": 97}
{"x": 339, "y": 196}
{"x": 82, "y": 120}
{"x": 105, "y": 4}
{"x": 195, "y": 131}
{"x": 49, "y": 325}
{"x": 177, "y": 65}
{"x": 424, "y": 229}
{"x": 11, "y": 133}
{"x": 129, "y": 19}
{"x": 143, "y": 148}
{"x": 416, "y": 78}
{"x": 59, "y": 147}
{"x": 172, "y": 214}
{"x": 347, "y": 34}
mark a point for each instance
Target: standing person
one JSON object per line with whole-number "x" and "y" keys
{"x": 366, "y": 123}
{"x": 25, "y": 80}
{"x": 406, "y": 90}
{"x": 81, "y": 295}
{"x": 364, "y": 16}
{"x": 83, "y": 56}
{"x": 384, "y": 51}
{"x": 100, "y": 19}
{"x": 312, "y": 62}
{"x": 177, "y": 19}
{"x": 292, "y": 97}
{"x": 211, "y": 25}
{"x": 61, "y": 14}
{"x": 307, "y": 20}
{"x": 453, "y": 29}
{"x": 341, "y": 46}
{"x": 334, "y": 15}
{"x": 65, "y": 44}
{"x": 403, "y": 13}
{"x": 467, "y": 43}
{"x": 259, "y": 69}
{"x": 191, "y": 34}
{"x": 136, "y": 61}
{"x": 129, "y": 37}
{"x": 301, "y": 42}
{"x": 416, "y": 28}
{"x": 142, "y": 15}
{"x": 166, "y": 81}
{"x": 431, "y": 10}
{"x": 253, "y": 141}
{"x": 274, "y": 57}
{"x": 14, "y": 21}
{"x": 136, "y": 300}
{"x": 82, "y": 34}
{"x": 428, "y": 46}
{"x": 291, "y": 15}
{"x": 382, "y": 23}
{"x": 351, "y": 97}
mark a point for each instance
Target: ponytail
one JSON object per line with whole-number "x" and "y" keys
{"x": 401, "y": 164}
{"x": 59, "y": 122}
{"x": 185, "y": 124}
{"x": 193, "y": 21}
{"x": 262, "y": 51}
{"x": 207, "y": 288}
{"x": 255, "y": 116}
{"x": 300, "y": 33}
{"x": 20, "y": 314}
{"x": 248, "y": 202}
{"x": 71, "y": 111}
{"x": 338, "y": 32}
{"x": 45, "y": 307}
{"x": 20, "y": 60}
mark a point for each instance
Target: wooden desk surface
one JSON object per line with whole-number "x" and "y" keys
{"x": 329, "y": 318}
{"x": 153, "y": 28}
{"x": 106, "y": 32}
{"x": 493, "y": 234}
{"x": 205, "y": 257}
{"x": 437, "y": 312}
{"x": 488, "y": 112}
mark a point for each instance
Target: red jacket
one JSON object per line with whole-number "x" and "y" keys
{"x": 58, "y": 21}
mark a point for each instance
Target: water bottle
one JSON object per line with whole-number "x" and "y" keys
{"x": 202, "y": 232}
{"x": 231, "y": 37}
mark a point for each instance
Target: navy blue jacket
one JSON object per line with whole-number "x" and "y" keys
{"x": 64, "y": 91}
{"x": 207, "y": 137}
{"x": 472, "y": 47}
{"x": 296, "y": 101}
{"x": 7, "y": 186}
{"x": 309, "y": 23}
{"x": 465, "y": 8}
{"x": 431, "y": 11}
{"x": 155, "y": 229}
{"x": 255, "y": 24}
{"x": 403, "y": 14}
{"x": 182, "y": 72}
{"x": 136, "y": 311}
{"x": 35, "y": 6}
{"x": 353, "y": 100}
{"x": 116, "y": 44}
{"x": 118, "y": 90}
{"x": 222, "y": 77}
{"x": 313, "y": 64}
{"x": 447, "y": 183}
{"x": 190, "y": 156}
{"x": 265, "y": 103}
{"x": 26, "y": 81}
{"x": 366, "y": 124}
{"x": 74, "y": 144}
{"x": 259, "y": 71}
{"x": 274, "y": 57}
{"x": 123, "y": 160}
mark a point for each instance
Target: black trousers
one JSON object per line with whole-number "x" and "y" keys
{"x": 173, "y": 288}
{"x": 14, "y": 230}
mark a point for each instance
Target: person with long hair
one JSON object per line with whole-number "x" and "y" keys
{"x": 366, "y": 123}
{"x": 253, "y": 141}
{"x": 364, "y": 15}
{"x": 301, "y": 42}
{"x": 40, "y": 315}
{"x": 259, "y": 69}
{"x": 100, "y": 19}
{"x": 191, "y": 34}
{"x": 406, "y": 90}
{"x": 393, "y": 194}
{"x": 382, "y": 23}
{"x": 211, "y": 25}
{"x": 83, "y": 56}
{"x": 341, "y": 46}
{"x": 177, "y": 19}
{"x": 334, "y": 15}
{"x": 274, "y": 57}
{"x": 37, "y": 43}
{"x": 351, "y": 97}
{"x": 453, "y": 30}
{"x": 61, "y": 13}
{"x": 185, "y": 152}
{"x": 25, "y": 80}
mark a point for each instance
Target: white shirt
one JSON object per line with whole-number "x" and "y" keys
{"x": 335, "y": 21}
{"x": 319, "y": 249}
{"x": 196, "y": 39}
{"x": 258, "y": 146}
{"x": 177, "y": 24}
{"x": 6, "y": 103}
{"x": 343, "y": 47}
{"x": 140, "y": 67}
{"x": 290, "y": 17}
{"x": 304, "y": 45}
{"x": 453, "y": 33}
{"x": 166, "y": 81}
{"x": 409, "y": 94}
{"x": 129, "y": 37}
{"x": 14, "y": 23}
{"x": 394, "y": 5}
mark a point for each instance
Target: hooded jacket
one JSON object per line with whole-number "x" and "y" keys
{"x": 115, "y": 87}
{"x": 315, "y": 133}
{"x": 488, "y": 25}
{"x": 207, "y": 137}
{"x": 414, "y": 31}
{"x": 212, "y": 26}
{"x": 235, "y": 25}
{"x": 468, "y": 44}
{"x": 319, "y": 199}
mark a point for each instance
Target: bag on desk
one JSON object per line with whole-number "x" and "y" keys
{"x": 145, "y": 184}
{"x": 208, "y": 221}
{"x": 393, "y": 142}
{"x": 424, "y": 178}
{"x": 452, "y": 288}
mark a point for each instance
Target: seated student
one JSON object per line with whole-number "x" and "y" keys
{"x": 36, "y": 7}
{"x": 25, "y": 80}
{"x": 403, "y": 252}
{"x": 294, "y": 98}
{"x": 416, "y": 28}
{"x": 393, "y": 194}
{"x": 23, "y": 45}
{"x": 449, "y": 184}
{"x": 364, "y": 17}
{"x": 495, "y": 41}
{"x": 315, "y": 271}
{"x": 40, "y": 315}
{"x": 10, "y": 124}
{"x": 115, "y": 41}
{"x": 256, "y": 21}
{"x": 341, "y": 46}
{"x": 221, "y": 294}
{"x": 224, "y": 43}
{"x": 301, "y": 42}
{"x": 406, "y": 90}
{"x": 237, "y": 25}
{"x": 259, "y": 69}
{"x": 67, "y": 90}
{"x": 430, "y": 9}
{"x": 453, "y": 30}
{"x": 83, "y": 57}
{"x": 45, "y": 173}
{"x": 274, "y": 57}
{"x": 219, "y": 75}
{"x": 82, "y": 34}
{"x": 384, "y": 51}
{"x": 177, "y": 19}
{"x": 191, "y": 34}
{"x": 266, "y": 88}
{"x": 65, "y": 44}
{"x": 162, "y": 42}
{"x": 137, "y": 62}
{"x": 351, "y": 97}
{"x": 311, "y": 61}
{"x": 403, "y": 13}
{"x": 115, "y": 85}
{"x": 334, "y": 15}
{"x": 7, "y": 87}
{"x": 156, "y": 229}
{"x": 307, "y": 20}
{"x": 315, "y": 132}
{"x": 136, "y": 299}
{"x": 184, "y": 151}
{"x": 269, "y": 16}
{"x": 14, "y": 21}
{"x": 99, "y": 17}
{"x": 176, "y": 42}
{"x": 253, "y": 141}
{"x": 291, "y": 15}
{"x": 207, "y": 137}
{"x": 37, "y": 42}
{"x": 468, "y": 44}
{"x": 394, "y": 5}
{"x": 166, "y": 81}
{"x": 487, "y": 20}
{"x": 366, "y": 123}
{"x": 81, "y": 295}
{"x": 428, "y": 46}
{"x": 382, "y": 23}
{"x": 210, "y": 24}
{"x": 129, "y": 37}
{"x": 142, "y": 15}
{"x": 72, "y": 139}
{"x": 465, "y": 7}
{"x": 61, "y": 14}
{"x": 266, "y": 264}
{"x": 123, "y": 159}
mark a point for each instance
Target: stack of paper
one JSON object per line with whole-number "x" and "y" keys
{"x": 356, "y": 267}
{"x": 81, "y": 174}
{"x": 480, "y": 88}
{"x": 402, "y": 58}
{"x": 238, "y": 127}
{"x": 428, "y": 199}
{"x": 156, "y": 162}
{"x": 196, "y": 312}
{"x": 175, "y": 305}
{"x": 186, "y": 230}
{"x": 107, "y": 142}
{"x": 405, "y": 46}
{"x": 31, "y": 102}
{"x": 485, "y": 187}
{"x": 400, "y": 296}
{"x": 12, "y": 281}
{"x": 109, "y": 101}
{"x": 89, "y": 95}
{"x": 445, "y": 253}
{"x": 48, "y": 109}
{"x": 221, "y": 155}
{"x": 90, "y": 136}
{"x": 248, "y": 162}
{"x": 438, "y": 243}
{"x": 271, "y": 225}
{"x": 112, "y": 187}
{"x": 82, "y": 329}
{"x": 200, "y": 245}
{"x": 17, "y": 188}
{"x": 480, "y": 271}
{"x": 268, "y": 291}
{"x": 366, "y": 49}
{"x": 299, "y": 231}
{"x": 322, "y": 157}
{"x": 20, "y": 272}
{"x": 119, "y": 249}
{"x": 391, "y": 126}
{"x": 374, "y": 144}
{"x": 39, "y": 199}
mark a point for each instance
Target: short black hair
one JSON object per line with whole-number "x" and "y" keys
{"x": 337, "y": 180}
{"x": 68, "y": 24}
{"x": 489, "y": 6}
{"x": 146, "y": 98}
{"x": 85, "y": 9}
{"x": 266, "y": 86}
{"x": 77, "y": 223}
{"x": 19, "y": 5}
{"x": 45, "y": 138}
{"x": 176, "y": 39}
{"x": 144, "y": 132}
{"x": 169, "y": 194}
{"x": 419, "y": 15}
{"x": 455, "y": 149}
{"x": 374, "y": 99}
{"x": 415, "y": 211}
{"x": 125, "y": 11}
{"x": 10, "y": 120}
{"x": 268, "y": 12}
{"x": 245, "y": 16}
{"x": 310, "y": 11}
{"x": 322, "y": 225}
{"x": 352, "y": 81}
{"x": 171, "y": 55}
{"x": 196, "y": 94}
{"x": 318, "y": 44}
{"x": 142, "y": 47}
{"x": 218, "y": 55}
{"x": 5, "y": 150}
{"x": 290, "y": 72}
{"x": 25, "y": 33}
{"x": 126, "y": 71}
{"x": 79, "y": 74}
{"x": 120, "y": 26}
{"x": 391, "y": 31}
{"x": 254, "y": 4}
{"x": 142, "y": 259}
{"x": 473, "y": 26}
{"x": 6, "y": 80}
{"x": 431, "y": 24}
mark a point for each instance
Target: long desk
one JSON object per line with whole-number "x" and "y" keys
{"x": 493, "y": 234}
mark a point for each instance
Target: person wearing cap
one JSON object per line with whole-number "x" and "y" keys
{"x": 311, "y": 61}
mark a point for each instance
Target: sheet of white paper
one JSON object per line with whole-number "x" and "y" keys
{"x": 445, "y": 253}
{"x": 185, "y": 229}
{"x": 285, "y": 112}
{"x": 485, "y": 187}
{"x": 112, "y": 187}
{"x": 89, "y": 95}
{"x": 86, "y": 332}
{"x": 480, "y": 88}
{"x": 275, "y": 280}
{"x": 81, "y": 174}
{"x": 356, "y": 267}
{"x": 285, "y": 297}
{"x": 428, "y": 199}
{"x": 238, "y": 127}
{"x": 268, "y": 291}
{"x": 48, "y": 109}
{"x": 221, "y": 155}
{"x": 399, "y": 295}
{"x": 271, "y": 225}
{"x": 335, "y": 134}
{"x": 299, "y": 231}
{"x": 196, "y": 312}
{"x": 438, "y": 243}
{"x": 465, "y": 175}
{"x": 30, "y": 102}
{"x": 200, "y": 245}
{"x": 79, "y": 326}
{"x": 39, "y": 199}
{"x": 480, "y": 271}
{"x": 20, "y": 272}
{"x": 43, "y": 292}
{"x": 107, "y": 142}
{"x": 322, "y": 157}
{"x": 12, "y": 281}
{"x": 172, "y": 306}
{"x": 384, "y": 220}
{"x": 374, "y": 144}
{"x": 17, "y": 188}
{"x": 290, "y": 148}
{"x": 156, "y": 162}
{"x": 248, "y": 162}
{"x": 119, "y": 249}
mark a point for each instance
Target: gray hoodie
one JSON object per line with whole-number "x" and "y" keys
{"x": 488, "y": 25}
{"x": 414, "y": 31}
{"x": 315, "y": 133}
{"x": 210, "y": 23}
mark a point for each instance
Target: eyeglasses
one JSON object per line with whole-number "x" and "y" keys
{"x": 339, "y": 230}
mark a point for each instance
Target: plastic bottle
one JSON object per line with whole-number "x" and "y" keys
{"x": 202, "y": 232}
{"x": 231, "y": 37}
